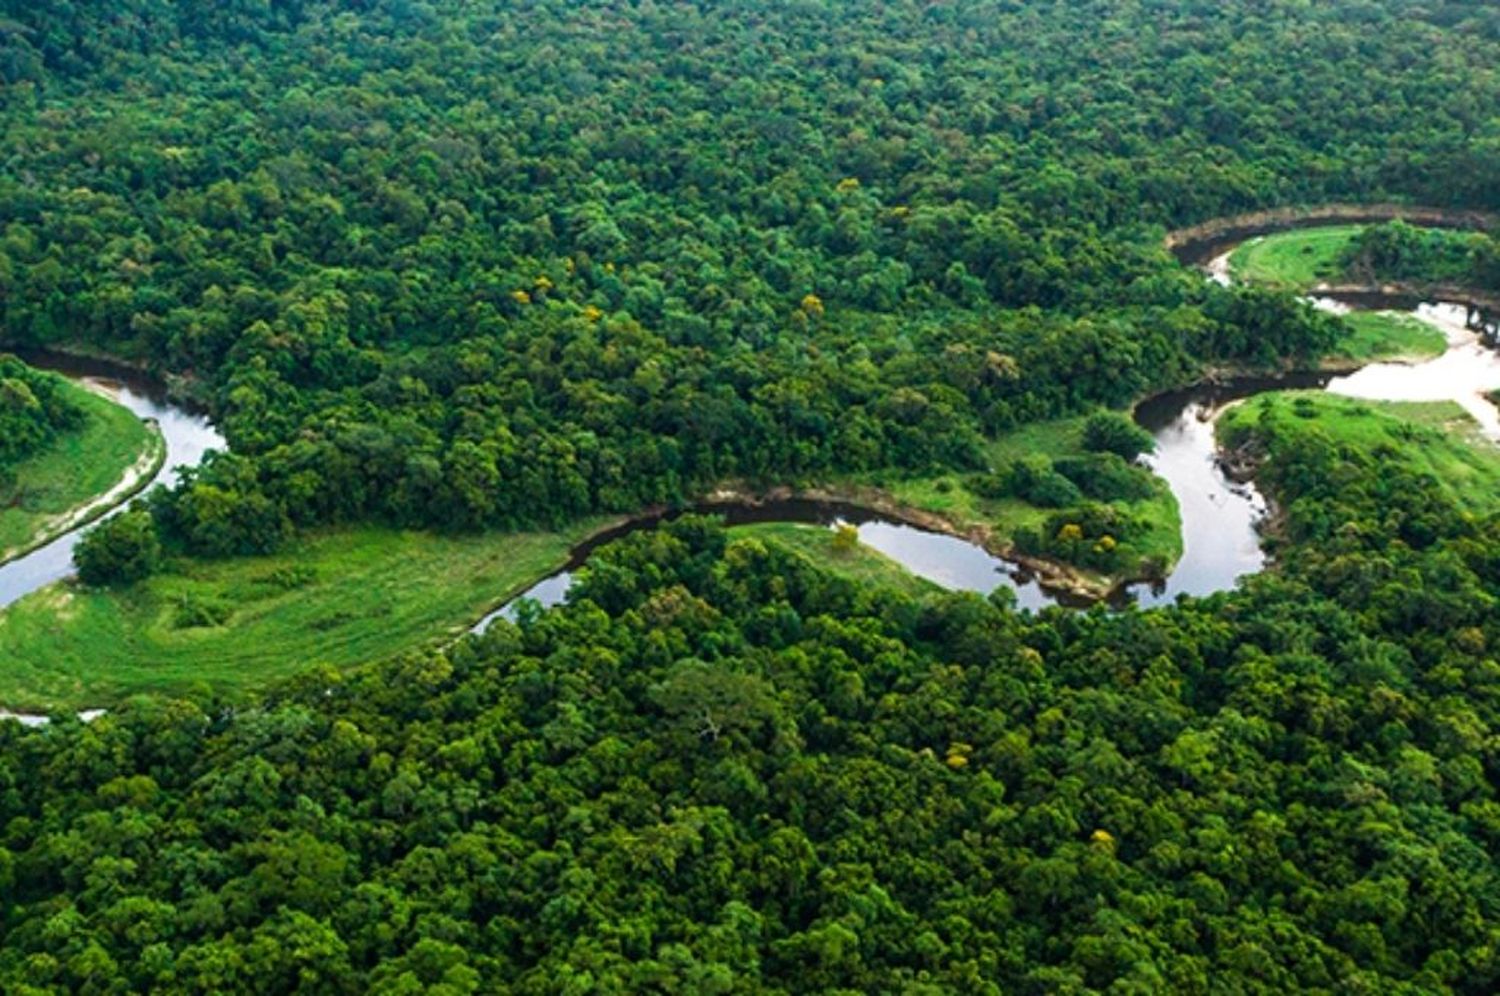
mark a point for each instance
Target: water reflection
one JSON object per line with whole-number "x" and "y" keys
{"x": 1463, "y": 374}
{"x": 1220, "y": 516}
{"x": 37, "y": 719}
{"x": 953, "y": 563}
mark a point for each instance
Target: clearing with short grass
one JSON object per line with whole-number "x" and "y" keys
{"x": 1437, "y": 438}
{"x": 78, "y": 467}
{"x": 1389, "y": 335}
{"x": 336, "y": 597}
{"x": 339, "y": 597}
{"x": 1295, "y": 260}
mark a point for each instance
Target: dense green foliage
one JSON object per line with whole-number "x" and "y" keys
{"x": 507, "y": 263}
{"x": 1096, "y": 535}
{"x": 504, "y": 263}
{"x": 124, "y": 548}
{"x": 1111, "y": 432}
{"x": 1031, "y": 479}
{"x": 721, "y": 770}
{"x": 1397, "y": 251}
{"x": 1095, "y": 526}
{"x": 34, "y": 409}
{"x": 1058, "y": 483}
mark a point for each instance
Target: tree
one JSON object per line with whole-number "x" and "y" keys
{"x": 1111, "y": 432}
{"x": 713, "y": 701}
{"x": 124, "y": 548}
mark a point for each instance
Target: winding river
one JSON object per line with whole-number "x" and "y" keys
{"x": 1219, "y": 516}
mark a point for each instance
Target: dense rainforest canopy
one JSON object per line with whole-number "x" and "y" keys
{"x": 506, "y": 263}
{"x": 721, "y": 770}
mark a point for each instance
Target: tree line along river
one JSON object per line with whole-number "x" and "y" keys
{"x": 1219, "y": 515}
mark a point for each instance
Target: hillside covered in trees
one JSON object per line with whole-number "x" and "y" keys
{"x": 506, "y": 265}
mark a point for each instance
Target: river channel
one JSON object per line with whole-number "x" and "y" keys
{"x": 1219, "y": 517}
{"x": 188, "y": 437}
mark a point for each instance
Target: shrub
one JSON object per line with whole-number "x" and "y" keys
{"x": 1111, "y": 432}
{"x": 122, "y": 549}
{"x": 1033, "y": 480}
{"x": 194, "y": 611}
{"x": 1106, "y": 477}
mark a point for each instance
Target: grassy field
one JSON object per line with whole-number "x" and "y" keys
{"x": 336, "y": 598}
{"x": 1389, "y": 335}
{"x": 1433, "y": 437}
{"x": 1296, "y": 260}
{"x": 861, "y": 564}
{"x": 948, "y": 496}
{"x": 77, "y": 467}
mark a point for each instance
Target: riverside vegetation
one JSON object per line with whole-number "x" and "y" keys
{"x": 60, "y": 447}
{"x": 1393, "y": 252}
{"x": 456, "y": 281}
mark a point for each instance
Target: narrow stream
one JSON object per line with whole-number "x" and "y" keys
{"x": 188, "y": 437}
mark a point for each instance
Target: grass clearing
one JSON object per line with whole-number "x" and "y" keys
{"x": 1390, "y": 335}
{"x": 861, "y": 564}
{"x": 76, "y": 468}
{"x": 1295, "y": 260}
{"x": 1437, "y": 438}
{"x": 338, "y": 597}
